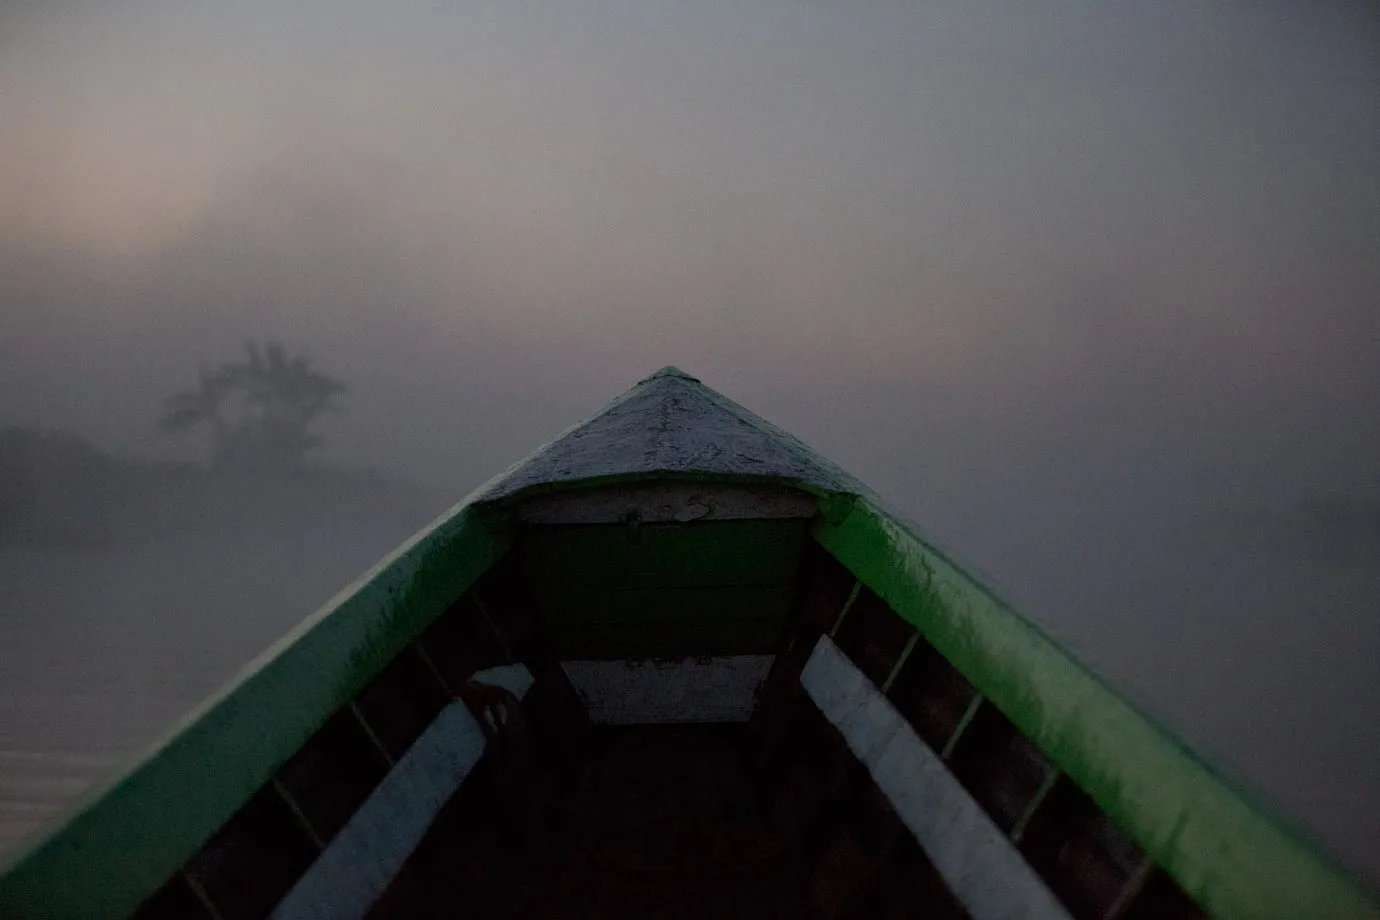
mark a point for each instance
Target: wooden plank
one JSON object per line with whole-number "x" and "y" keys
{"x": 711, "y": 689}
{"x": 672, "y": 501}
{"x": 360, "y": 862}
{"x": 982, "y": 868}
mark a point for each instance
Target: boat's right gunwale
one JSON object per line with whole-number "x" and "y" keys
{"x": 1230, "y": 854}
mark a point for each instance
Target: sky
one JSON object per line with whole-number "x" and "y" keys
{"x": 1088, "y": 290}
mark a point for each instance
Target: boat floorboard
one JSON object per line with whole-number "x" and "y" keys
{"x": 655, "y": 822}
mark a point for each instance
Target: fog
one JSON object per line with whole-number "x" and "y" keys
{"x": 1090, "y": 292}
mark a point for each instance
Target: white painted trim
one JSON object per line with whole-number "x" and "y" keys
{"x": 667, "y": 502}
{"x": 655, "y": 691}
{"x": 362, "y": 860}
{"x": 980, "y": 865}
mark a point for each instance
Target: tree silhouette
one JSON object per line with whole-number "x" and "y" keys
{"x": 259, "y": 410}
{"x": 191, "y": 408}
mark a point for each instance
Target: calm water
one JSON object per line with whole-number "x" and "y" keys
{"x": 101, "y": 652}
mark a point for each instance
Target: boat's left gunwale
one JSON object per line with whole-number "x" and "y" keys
{"x": 115, "y": 846}
{"x": 120, "y": 841}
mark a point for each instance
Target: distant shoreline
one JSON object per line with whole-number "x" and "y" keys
{"x": 58, "y": 490}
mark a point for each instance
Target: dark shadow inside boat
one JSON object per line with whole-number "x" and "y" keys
{"x": 653, "y": 820}
{"x": 769, "y": 817}
{"x": 668, "y": 821}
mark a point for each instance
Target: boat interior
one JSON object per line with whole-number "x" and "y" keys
{"x": 671, "y": 749}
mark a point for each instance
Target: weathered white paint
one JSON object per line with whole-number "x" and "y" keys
{"x": 643, "y": 691}
{"x": 667, "y": 502}
{"x": 671, "y": 423}
{"x": 981, "y": 866}
{"x": 362, "y": 860}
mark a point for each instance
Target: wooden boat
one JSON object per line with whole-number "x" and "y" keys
{"x": 674, "y": 664}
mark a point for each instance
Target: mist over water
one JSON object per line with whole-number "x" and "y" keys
{"x": 104, "y": 652}
{"x": 1091, "y": 294}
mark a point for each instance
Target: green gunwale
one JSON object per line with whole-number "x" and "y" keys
{"x": 121, "y": 842}
{"x": 1228, "y": 854}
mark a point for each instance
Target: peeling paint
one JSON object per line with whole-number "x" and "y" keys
{"x": 672, "y": 423}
